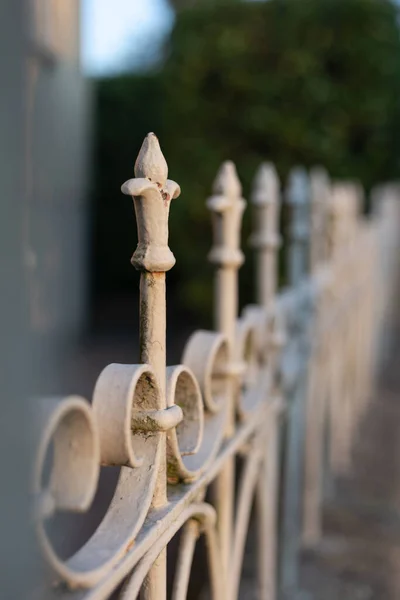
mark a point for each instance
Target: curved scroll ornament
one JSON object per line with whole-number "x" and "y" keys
{"x": 206, "y": 355}
{"x": 245, "y": 496}
{"x": 260, "y": 340}
{"x": 254, "y": 374}
{"x": 204, "y": 517}
{"x": 67, "y": 424}
{"x": 184, "y": 440}
{"x": 123, "y": 428}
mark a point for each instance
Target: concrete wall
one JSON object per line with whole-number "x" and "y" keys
{"x": 57, "y": 143}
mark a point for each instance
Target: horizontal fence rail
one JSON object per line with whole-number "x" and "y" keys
{"x": 260, "y": 412}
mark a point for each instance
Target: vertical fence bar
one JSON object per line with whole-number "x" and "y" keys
{"x": 152, "y": 193}
{"x": 336, "y": 242}
{"x": 386, "y": 203}
{"x": 319, "y": 364}
{"x": 339, "y": 401}
{"x": 266, "y": 241}
{"x": 297, "y": 199}
{"x": 357, "y": 326}
{"x": 227, "y": 206}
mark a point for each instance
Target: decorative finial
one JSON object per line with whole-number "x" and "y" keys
{"x": 152, "y": 192}
{"x": 227, "y": 206}
{"x": 227, "y": 181}
{"x": 266, "y": 185}
{"x": 298, "y": 187}
{"x": 150, "y": 162}
{"x": 265, "y": 237}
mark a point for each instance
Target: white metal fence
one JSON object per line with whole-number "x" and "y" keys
{"x": 268, "y": 389}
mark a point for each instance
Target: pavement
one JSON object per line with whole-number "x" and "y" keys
{"x": 359, "y": 555}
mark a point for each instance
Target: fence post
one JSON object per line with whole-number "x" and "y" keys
{"x": 342, "y": 263}
{"x": 359, "y": 322}
{"x": 227, "y": 206}
{"x": 386, "y": 203}
{"x": 266, "y": 241}
{"x": 319, "y": 364}
{"x": 297, "y": 199}
{"x": 152, "y": 193}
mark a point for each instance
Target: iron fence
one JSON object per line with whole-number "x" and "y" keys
{"x": 267, "y": 388}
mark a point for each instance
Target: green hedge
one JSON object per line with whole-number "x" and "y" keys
{"x": 292, "y": 81}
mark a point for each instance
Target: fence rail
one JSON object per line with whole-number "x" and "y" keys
{"x": 199, "y": 443}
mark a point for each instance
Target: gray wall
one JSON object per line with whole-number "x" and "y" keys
{"x": 44, "y": 148}
{"x": 56, "y": 234}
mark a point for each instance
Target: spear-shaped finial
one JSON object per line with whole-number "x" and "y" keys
{"x": 226, "y": 206}
{"x": 150, "y": 162}
{"x": 265, "y": 237}
{"x": 227, "y": 181}
{"x": 266, "y": 185}
{"x": 152, "y": 193}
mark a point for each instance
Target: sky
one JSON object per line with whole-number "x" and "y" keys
{"x": 117, "y": 31}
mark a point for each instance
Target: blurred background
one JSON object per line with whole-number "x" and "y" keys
{"x": 295, "y": 82}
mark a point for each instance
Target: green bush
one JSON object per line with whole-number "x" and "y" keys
{"x": 293, "y": 81}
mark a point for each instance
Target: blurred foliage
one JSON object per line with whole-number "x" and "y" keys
{"x": 292, "y": 81}
{"x": 185, "y": 4}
